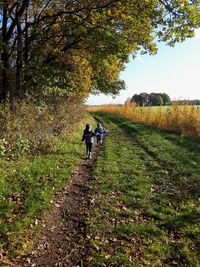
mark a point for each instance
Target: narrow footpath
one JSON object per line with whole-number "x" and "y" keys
{"x": 63, "y": 240}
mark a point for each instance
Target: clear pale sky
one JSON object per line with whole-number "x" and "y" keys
{"x": 173, "y": 70}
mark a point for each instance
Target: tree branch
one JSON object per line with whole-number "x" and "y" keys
{"x": 14, "y": 22}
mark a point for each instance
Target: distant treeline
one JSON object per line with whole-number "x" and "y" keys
{"x": 159, "y": 99}
{"x": 189, "y": 102}
{"x": 152, "y": 99}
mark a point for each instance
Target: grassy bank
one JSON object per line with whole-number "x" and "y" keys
{"x": 28, "y": 185}
{"x": 146, "y": 210}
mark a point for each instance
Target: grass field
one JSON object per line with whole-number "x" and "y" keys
{"x": 28, "y": 186}
{"x": 146, "y": 208}
{"x": 145, "y": 205}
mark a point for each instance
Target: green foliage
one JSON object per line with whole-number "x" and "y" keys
{"x": 153, "y": 99}
{"x": 3, "y": 145}
{"x": 81, "y": 46}
{"x": 21, "y": 146}
{"x": 30, "y": 128}
{"x": 146, "y": 212}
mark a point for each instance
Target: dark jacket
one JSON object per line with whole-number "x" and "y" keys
{"x": 88, "y": 136}
{"x": 100, "y": 130}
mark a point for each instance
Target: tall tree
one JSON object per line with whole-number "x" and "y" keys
{"x": 81, "y": 46}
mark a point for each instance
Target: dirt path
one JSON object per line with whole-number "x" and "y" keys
{"x": 63, "y": 241}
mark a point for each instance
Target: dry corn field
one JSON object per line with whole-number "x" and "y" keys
{"x": 184, "y": 119}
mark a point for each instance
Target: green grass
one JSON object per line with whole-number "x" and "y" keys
{"x": 146, "y": 211}
{"x": 27, "y": 189}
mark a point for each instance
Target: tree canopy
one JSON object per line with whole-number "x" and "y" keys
{"x": 153, "y": 99}
{"x": 82, "y": 46}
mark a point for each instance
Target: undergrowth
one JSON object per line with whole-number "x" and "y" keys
{"x": 30, "y": 128}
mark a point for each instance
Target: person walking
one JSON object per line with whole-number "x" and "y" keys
{"x": 88, "y": 135}
{"x": 99, "y": 131}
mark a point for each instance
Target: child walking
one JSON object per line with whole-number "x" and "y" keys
{"x": 99, "y": 131}
{"x": 89, "y": 140}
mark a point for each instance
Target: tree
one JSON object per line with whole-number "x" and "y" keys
{"x": 82, "y": 46}
{"x": 141, "y": 99}
{"x": 166, "y": 99}
{"x": 153, "y": 99}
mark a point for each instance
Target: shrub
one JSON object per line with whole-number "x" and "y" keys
{"x": 27, "y": 127}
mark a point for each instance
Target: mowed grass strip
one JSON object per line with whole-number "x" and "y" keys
{"x": 28, "y": 187}
{"x": 146, "y": 208}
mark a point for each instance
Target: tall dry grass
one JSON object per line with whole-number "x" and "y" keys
{"x": 184, "y": 119}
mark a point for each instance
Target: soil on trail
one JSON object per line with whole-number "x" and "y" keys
{"x": 63, "y": 240}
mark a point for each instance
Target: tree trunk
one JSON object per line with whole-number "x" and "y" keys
{"x": 4, "y": 57}
{"x": 18, "y": 92}
{"x": 26, "y": 51}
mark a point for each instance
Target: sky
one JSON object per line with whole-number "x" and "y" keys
{"x": 173, "y": 70}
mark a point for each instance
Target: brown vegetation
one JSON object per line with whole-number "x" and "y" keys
{"x": 179, "y": 118}
{"x": 27, "y": 127}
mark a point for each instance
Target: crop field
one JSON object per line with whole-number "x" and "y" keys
{"x": 146, "y": 200}
{"x": 184, "y": 119}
